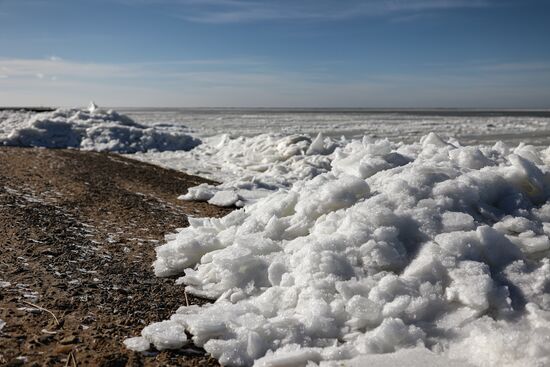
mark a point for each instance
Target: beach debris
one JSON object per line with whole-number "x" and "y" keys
{"x": 42, "y": 309}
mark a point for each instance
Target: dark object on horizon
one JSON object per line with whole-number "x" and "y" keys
{"x": 28, "y": 109}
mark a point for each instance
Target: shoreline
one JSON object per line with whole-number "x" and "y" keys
{"x": 78, "y": 233}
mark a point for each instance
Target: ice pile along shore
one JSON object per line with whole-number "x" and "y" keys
{"x": 91, "y": 129}
{"x": 249, "y": 168}
{"x": 430, "y": 248}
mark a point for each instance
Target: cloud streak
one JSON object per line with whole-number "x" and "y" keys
{"x": 18, "y": 68}
{"x": 238, "y": 11}
{"x": 187, "y": 83}
{"x": 25, "y": 68}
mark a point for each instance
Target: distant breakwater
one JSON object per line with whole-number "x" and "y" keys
{"x": 29, "y": 109}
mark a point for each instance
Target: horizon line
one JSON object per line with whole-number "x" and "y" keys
{"x": 406, "y": 108}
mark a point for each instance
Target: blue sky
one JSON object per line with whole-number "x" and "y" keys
{"x": 250, "y": 53}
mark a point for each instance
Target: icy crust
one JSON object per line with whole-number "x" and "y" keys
{"x": 91, "y": 129}
{"x": 428, "y": 245}
{"x": 249, "y": 167}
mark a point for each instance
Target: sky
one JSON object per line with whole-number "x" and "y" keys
{"x": 279, "y": 53}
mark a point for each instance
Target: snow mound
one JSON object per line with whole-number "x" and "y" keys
{"x": 428, "y": 245}
{"x": 91, "y": 129}
{"x": 249, "y": 167}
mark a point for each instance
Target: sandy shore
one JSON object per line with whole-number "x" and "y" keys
{"x": 77, "y": 238}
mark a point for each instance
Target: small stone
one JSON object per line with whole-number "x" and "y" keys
{"x": 15, "y": 363}
{"x": 71, "y": 339}
{"x": 45, "y": 339}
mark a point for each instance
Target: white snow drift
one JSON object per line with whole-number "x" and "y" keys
{"x": 425, "y": 246}
{"x": 91, "y": 129}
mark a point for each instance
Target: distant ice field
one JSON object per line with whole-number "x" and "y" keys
{"x": 469, "y": 126}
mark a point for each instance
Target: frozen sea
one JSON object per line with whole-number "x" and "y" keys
{"x": 364, "y": 237}
{"x": 469, "y": 126}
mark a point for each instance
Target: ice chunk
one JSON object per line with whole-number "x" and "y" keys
{"x": 137, "y": 344}
{"x": 92, "y": 107}
{"x": 527, "y": 176}
{"x": 224, "y": 198}
{"x": 457, "y": 221}
{"x": 292, "y": 358}
{"x": 433, "y": 139}
{"x": 471, "y": 285}
{"x": 163, "y": 335}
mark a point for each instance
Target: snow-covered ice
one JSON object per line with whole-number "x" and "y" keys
{"x": 470, "y": 127}
{"x": 90, "y": 129}
{"x": 253, "y": 153}
{"x": 398, "y": 246}
{"x": 248, "y": 167}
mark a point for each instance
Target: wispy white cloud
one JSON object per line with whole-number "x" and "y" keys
{"x": 235, "y": 11}
{"x": 515, "y": 66}
{"x": 186, "y": 83}
{"x": 159, "y": 70}
{"x": 491, "y": 67}
{"x": 40, "y": 68}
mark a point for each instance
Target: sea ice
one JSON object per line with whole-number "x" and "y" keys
{"x": 91, "y": 129}
{"x": 395, "y": 249}
{"x": 472, "y": 127}
{"x": 248, "y": 167}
